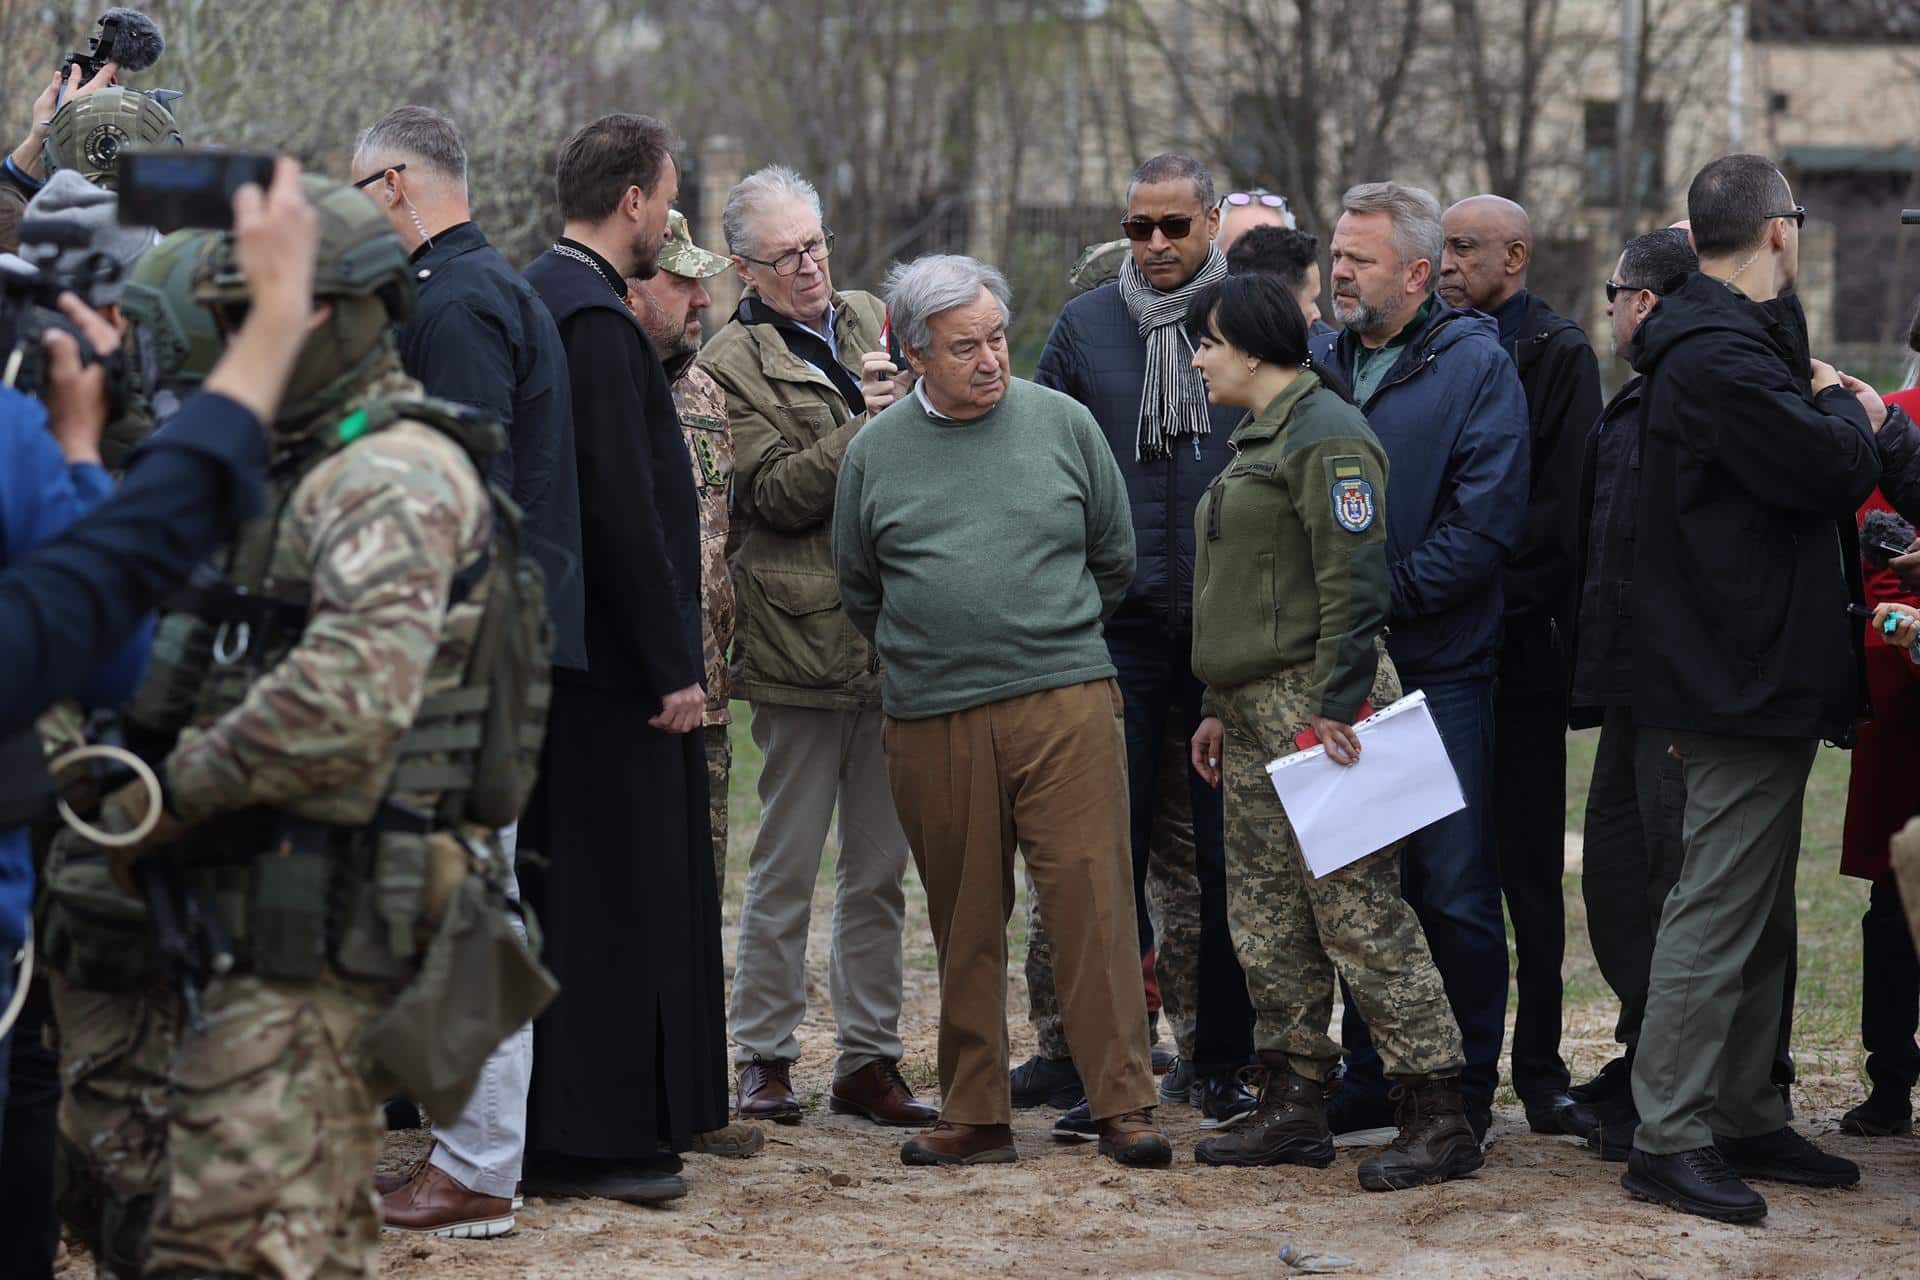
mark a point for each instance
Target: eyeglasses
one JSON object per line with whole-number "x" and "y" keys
{"x": 1616, "y": 287}
{"x": 1267, "y": 198}
{"x": 1798, "y": 213}
{"x": 788, "y": 263}
{"x": 1175, "y": 226}
{"x": 372, "y": 178}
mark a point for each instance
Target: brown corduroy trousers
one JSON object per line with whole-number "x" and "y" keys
{"x": 1045, "y": 773}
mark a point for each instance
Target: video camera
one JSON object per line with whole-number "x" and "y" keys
{"x": 29, "y": 309}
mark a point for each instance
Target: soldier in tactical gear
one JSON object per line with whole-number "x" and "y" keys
{"x": 325, "y": 707}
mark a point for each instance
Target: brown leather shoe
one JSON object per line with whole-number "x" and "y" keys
{"x": 949, "y": 1143}
{"x": 879, "y": 1092}
{"x": 1132, "y": 1139}
{"x": 432, "y": 1204}
{"x": 766, "y": 1093}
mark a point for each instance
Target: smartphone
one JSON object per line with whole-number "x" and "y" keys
{"x": 177, "y": 188}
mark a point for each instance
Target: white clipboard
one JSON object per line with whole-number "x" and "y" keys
{"x": 1402, "y": 782}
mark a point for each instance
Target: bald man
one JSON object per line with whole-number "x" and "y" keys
{"x": 1488, "y": 247}
{"x": 1242, "y": 211}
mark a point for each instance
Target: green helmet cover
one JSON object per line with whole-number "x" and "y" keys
{"x": 158, "y": 302}
{"x": 89, "y": 133}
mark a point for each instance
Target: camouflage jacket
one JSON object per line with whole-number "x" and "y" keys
{"x": 703, "y": 417}
{"x": 369, "y": 540}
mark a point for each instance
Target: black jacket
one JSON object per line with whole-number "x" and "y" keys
{"x": 1601, "y": 635}
{"x": 1562, "y": 381}
{"x": 1747, "y": 554}
{"x": 1096, "y": 355}
{"x": 639, "y": 527}
{"x": 1898, "y": 442}
{"x": 1453, "y": 419}
{"x": 481, "y": 336}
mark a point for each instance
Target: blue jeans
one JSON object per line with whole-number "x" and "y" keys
{"x": 1450, "y": 874}
{"x": 1157, "y": 682}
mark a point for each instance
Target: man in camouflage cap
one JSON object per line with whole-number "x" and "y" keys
{"x": 235, "y": 1134}
{"x": 670, "y": 307}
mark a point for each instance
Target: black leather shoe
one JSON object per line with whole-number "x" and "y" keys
{"x": 1697, "y": 1182}
{"x": 1887, "y": 1111}
{"x": 1045, "y": 1082}
{"x": 634, "y": 1183}
{"x": 1543, "y": 1112}
{"x": 1785, "y": 1156}
{"x": 1224, "y": 1101}
{"x": 1615, "y": 1080}
{"x": 1577, "y": 1118}
{"x": 1177, "y": 1084}
{"x": 1612, "y": 1137}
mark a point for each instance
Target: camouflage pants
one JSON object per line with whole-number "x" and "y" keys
{"x": 719, "y": 769}
{"x": 1173, "y": 904}
{"x": 247, "y": 1150}
{"x": 1294, "y": 933}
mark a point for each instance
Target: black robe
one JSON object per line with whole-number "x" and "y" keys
{"x": 632, "y": 1055}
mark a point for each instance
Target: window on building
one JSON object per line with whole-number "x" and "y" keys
{"x": 1649, "y": 154}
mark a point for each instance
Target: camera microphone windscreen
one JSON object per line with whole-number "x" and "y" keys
{"x": 133, "y": 39}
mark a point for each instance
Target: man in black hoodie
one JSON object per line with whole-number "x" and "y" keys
{"x": 1745, "y": 562}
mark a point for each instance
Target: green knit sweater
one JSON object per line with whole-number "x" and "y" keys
{"x": 981, "y": 556}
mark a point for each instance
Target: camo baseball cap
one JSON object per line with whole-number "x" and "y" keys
{"x": 683, "y": 257}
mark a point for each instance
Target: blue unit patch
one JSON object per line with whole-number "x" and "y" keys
{"x": 1353, "y": 505}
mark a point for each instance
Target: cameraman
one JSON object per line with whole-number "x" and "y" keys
{"x": 23, "y": 173}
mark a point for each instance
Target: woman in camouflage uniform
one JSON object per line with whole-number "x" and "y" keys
{"x": 1290, "y": 603}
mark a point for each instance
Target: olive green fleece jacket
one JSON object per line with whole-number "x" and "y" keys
{"x": 1291, "y": 551}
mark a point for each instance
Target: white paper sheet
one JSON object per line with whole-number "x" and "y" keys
{"x": 1402, "y": 782}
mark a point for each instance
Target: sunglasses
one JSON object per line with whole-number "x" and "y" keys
{"x": 1798, "y": 213}
{"x": 1175, "y": 226}
{"x": 372, "y": 178}
{"x": 1242, "y": 198}
{"x": 1615, "y": 288}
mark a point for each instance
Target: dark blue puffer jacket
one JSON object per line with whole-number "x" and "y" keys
{"x": 1096, "y": 355}
{"x": 1453, "y": 420}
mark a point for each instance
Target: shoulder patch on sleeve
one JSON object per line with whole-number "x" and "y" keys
{"x": 1353, "y": 506}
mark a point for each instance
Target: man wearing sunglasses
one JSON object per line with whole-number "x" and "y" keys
{"x": 1747, "y": 556}
{"x": 1121, "y": 350}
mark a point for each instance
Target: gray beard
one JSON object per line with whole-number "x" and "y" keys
{"x": 1356, "y": 315}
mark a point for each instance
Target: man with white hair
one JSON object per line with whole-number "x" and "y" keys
{"x": 1443, "y": 397}
{"x": 786, "y": 362}
{"x": 981, "y": 535}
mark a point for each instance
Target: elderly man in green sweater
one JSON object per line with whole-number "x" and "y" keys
{"x": 981, "y": 535}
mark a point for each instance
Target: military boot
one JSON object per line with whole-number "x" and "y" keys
{"x": 1288, "y": 1127}
{"x": 1435, "y": 1143}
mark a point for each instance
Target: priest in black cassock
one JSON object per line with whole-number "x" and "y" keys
{"x": 630, "y": 1061}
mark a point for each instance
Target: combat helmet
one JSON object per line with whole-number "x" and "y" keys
{"x": 90, "y": 132}
{"x": 363, "y": 276}
{"x": 176, "y": 337}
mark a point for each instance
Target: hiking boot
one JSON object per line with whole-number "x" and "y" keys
{"x": 949, "y": 1143}
{"x": 1615, "y": 1080}
{"x": 1045, "y": 1082}
{"x": 1785, "y": 1156}
{"x": 1288, "y": 1126}
{"x": 1436, "y": 1144}
{"x": 1077, "y": 1124}
{"x": 1697, "y": 1182}
{"x": 1224, "y": 1101}
{"x": 1132, "y": 1139}
{"x": 1177, "y": 1084}
{"x": 735, "y": 1142}
{"x": 1886, "y": 1112}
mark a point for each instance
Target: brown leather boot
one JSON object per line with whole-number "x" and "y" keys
{"x": 879, "y": 1092}
{"x": 1288, "y": 1127}
{"x": 433, "y": 1204}
{"x": 1132, "y": 1138}
{"x": 735, "y": 1142}
{"x": 1435, "y": 1143}
{"x": 766, "y": 1092}
{"x": 949, "y": 1143}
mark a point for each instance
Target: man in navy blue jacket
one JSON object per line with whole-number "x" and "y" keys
{"x": 1121, "y": 351}
{"x": 1442, "y": 395}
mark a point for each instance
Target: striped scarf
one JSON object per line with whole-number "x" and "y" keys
{"x": 1174, "y": 400}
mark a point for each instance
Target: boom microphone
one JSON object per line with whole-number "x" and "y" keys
{"x": 127, "y": 37}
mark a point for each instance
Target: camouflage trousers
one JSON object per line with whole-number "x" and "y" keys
{"x": 1294, "y": 933}
{"x": 247, "y": 1150}
{"x": 719, "y": 769}
{"x": 1173, "y": 904}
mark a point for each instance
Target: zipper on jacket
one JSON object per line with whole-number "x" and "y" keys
{"x": 1424, "y": 362}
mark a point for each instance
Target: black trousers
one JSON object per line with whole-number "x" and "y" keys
{"x": 1529, "y": 823}
{"x": 32, "y": 1231}
{"x": 1889, "y": 992}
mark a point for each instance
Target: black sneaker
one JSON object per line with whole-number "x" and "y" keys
{"x": 1045, "y": 1082}
{"x": 1697, "y": 1182}
{"x": 1785, "y": 1156}
{"x": 1615, "y": 1080}
{"x": 1886, "y": 1112}
{"x": 1077, "y": 1125}
{"x": 1224, "y": 1102}
{"x": 1178, "y": 1083}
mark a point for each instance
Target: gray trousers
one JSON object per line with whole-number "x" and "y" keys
{"x": 482, "y": 1147}
{"x": 1725, "y": 947}
{"x": 816, "y": 762}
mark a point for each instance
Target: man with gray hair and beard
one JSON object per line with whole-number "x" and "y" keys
{"x": 1442, "y": 395}
{"x": 981, "y": 535}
